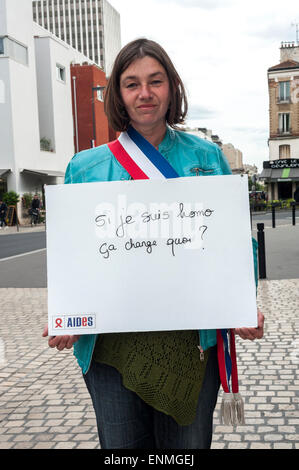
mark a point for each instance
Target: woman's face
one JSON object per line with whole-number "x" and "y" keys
{"x": 144, "y": 88}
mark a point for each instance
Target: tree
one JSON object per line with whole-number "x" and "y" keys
{"x": 11, "y": 198}
{"x": 258, "y": 186}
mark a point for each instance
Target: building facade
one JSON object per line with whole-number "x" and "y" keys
{"x": 38, "y": 132}
{"x": 281, "y": 172}
{"x": 92, "y": 27}
{"x": 19, "y": 130}
{"x": 91, "y": 126}
{"x": 234, "y": 157}
{"x": 250, "y": 170}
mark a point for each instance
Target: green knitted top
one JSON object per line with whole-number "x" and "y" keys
{"x": 163, "y": 368}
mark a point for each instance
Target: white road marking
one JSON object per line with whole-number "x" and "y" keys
{"x": 22, "y": 254}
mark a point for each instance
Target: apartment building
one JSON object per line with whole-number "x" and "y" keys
{"x": 91, "y": 127}
{"x": 90, "y": 26}
{"x": 281, "y": 172}
{"x": 47, "y": 105}
{"x": 234, "y": 157}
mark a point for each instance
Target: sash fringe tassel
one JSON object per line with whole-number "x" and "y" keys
{"x": 232, "y": 410}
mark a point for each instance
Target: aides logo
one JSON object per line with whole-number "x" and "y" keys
{"x": 81, "y": 321}
{"x": 65, "y": 322}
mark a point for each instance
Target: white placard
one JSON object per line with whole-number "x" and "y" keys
{"x": 150, "y": 255}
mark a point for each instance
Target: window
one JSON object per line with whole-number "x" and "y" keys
{"x": 284, "y": 123}
{"x": 100, "y": 94}
{"x": 284, "y": 91}
{"x": 60, "y": 73}
{"x": 14, "y": 50}
{"x": 284, "y": 151}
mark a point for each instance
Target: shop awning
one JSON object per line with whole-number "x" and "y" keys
{"x": 294, "y": 173}
{"x": 4, "y": 171}
{"x": 43, "y": 172}
{"x": 266, "y": 173}
{"x": 281, "y": 174}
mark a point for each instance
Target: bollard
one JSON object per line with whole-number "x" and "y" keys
{"x": 273, "y": 216}
{"x": 261, "y": 251}
{"x": 293, "y": 212}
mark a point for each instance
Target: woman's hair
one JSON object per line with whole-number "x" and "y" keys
{"x": 114, "y": 107}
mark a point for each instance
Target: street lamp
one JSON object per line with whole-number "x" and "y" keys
{"x": 95, "y": 88}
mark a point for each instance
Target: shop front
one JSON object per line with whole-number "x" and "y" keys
{"x": 3, "y": 181}
{"x": 281, "y": 178}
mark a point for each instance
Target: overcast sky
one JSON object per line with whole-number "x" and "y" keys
{"x": 222, "y": 50}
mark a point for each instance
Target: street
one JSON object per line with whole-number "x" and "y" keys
{"x": 17, "y": 243}
{"x": 281, "y": 245}
{"x": 282, "y": 218}
{"x": 23, "y": 261}
{"x": 26, "y": 271}
{"x": 44, "y": 403}
{"x": 30, "y": 270}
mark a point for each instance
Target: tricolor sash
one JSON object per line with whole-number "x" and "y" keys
{"x": 140, "y": 158}
{"x": 143, "y": 161}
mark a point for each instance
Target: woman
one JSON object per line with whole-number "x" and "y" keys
{"x": 152, "y": 389}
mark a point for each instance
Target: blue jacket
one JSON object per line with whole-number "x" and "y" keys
{"x": 188, "y": 155}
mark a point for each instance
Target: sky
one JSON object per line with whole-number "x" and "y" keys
{"x": 222, "y": 50}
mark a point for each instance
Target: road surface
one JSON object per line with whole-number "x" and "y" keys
{"x": 23, "y": 261}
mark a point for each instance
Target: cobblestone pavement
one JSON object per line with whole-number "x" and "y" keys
{"x": 44, "y": 403}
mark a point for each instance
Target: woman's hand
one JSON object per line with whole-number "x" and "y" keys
{"x": 60, "y": 342}
{"x": 253, "y": 333}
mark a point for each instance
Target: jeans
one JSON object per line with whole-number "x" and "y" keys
{"x": 125, "y": 421}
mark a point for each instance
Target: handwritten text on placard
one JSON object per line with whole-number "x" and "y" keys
{"x": 136, "y": 228}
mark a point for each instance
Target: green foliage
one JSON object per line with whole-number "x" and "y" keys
{"x": 260, "y": 205}
{"x": 11, "y": 198}
{"x": 281, "y": 203}
{"x": 27, "y": 199}
{"x": 258, "y": 186}
{"x": 288, "y": 202}
{"x": 45, "y": 144}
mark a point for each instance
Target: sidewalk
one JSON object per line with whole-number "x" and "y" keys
{"x": 22, "y": 229}
{"x": 44, "y": 403}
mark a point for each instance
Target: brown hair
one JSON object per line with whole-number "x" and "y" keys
{"x": 114, "y": 108}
